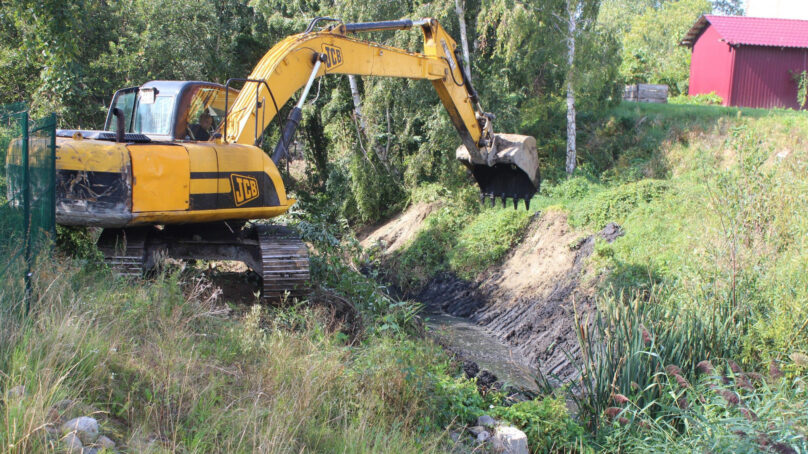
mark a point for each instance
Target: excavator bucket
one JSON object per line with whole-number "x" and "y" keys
{"x": 509, "y": 169}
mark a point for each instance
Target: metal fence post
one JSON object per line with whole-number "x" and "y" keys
{"x": 52, "y": 132}
{"x": 26, "y": 208}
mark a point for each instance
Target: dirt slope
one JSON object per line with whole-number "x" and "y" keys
{"x": 527, "y": 301}
{"x": 395, "y": 233}
{"x": 529, "y": 298}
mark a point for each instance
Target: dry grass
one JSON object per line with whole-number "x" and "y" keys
{"x": 165, "y": 370}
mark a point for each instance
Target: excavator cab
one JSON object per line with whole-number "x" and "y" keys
{"x": 166, "y": 111}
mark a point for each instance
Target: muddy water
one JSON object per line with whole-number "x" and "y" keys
{"x": 474, "y": 343}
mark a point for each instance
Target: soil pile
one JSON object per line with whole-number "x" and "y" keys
{"x": 397, "y": 232}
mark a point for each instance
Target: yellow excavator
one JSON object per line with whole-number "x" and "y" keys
{"x": 177, "y": 171}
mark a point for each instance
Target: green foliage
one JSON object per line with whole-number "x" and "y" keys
{"x": 79, "y": 242}
{"x": 708, "y": 99}
{"x": 547, "y": 424}
{"x": 426, "y": 255}
{"x": 458, "y": 400}
{"x": 486, "y": 239}
{"x": 802, "y": 87}
{"x": 613, "y": 205}
{"x": 651, "y": 50}
{"x": 458, "y": 238}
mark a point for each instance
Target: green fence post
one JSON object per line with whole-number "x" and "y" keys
{"x": 52, "y": 132}
{"x": 26, "y": 208}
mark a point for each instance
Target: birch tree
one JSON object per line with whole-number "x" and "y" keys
{"x": 580, "y": 15}
{"x": 460, "y": 9}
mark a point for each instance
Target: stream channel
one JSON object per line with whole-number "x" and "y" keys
{"x": 471, "y": 342}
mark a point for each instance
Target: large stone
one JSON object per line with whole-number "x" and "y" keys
{"x": 72, "y": 444}
{"x": 85, "y": 428}
{"x": 486, "y": 421}
{"x": 509, "y": 440}
{"x": 105, "y": 442}
{"x": 483, "y": 436}
{"x": 475, "y": 430}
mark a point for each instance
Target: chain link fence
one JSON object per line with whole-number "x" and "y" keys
{"x": 27, "y": 197}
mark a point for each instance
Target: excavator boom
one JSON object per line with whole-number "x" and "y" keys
{"x": 503, "y": 165}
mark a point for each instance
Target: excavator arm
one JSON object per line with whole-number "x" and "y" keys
{"x": 504, "y": 165}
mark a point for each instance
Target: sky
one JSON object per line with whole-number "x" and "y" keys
{"x": 786, "y": 9}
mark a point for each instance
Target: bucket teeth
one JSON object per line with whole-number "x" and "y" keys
{"x": 503, "y": 199}
{"x": 515, "y": 202}
{"x": 493, "y": 200}
{"x": 527, "y": 203}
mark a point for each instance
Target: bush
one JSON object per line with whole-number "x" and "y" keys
{"x": 547, "y": 424}
{"x": 707, "y": 99}
{"x": 613, "y": 205}
{"x": 486, "y": 239}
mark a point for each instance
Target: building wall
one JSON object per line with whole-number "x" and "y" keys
{"x": 783, "y": 9}
{"x": 764, "y": 76}
{"x": 711, "y": 65}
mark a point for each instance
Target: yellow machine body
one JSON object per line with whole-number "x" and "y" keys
{"x": 109, "y": 184}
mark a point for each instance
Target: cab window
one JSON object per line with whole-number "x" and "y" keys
{"x": 205, "y": 112}
{"x": 125, "y": 101}
{"x": 155, "y": 117}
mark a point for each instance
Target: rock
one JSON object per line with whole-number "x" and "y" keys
{"x": 611, "y": 232}
{"x": 486, "y": 421}
{"x": 476, "y": 430}
{"x": 454, "y": 436}
{"x": 85, "y": 428}
{"x": 483, "y": 436}
{"x": 105, "y": 442}
{"x": 509, "y": 440}
{"x": 486, "y": 379}
{"x": 72, "y": 444}
{"x": 470, "y": 368}
{"x": 90, "y": 451}
{"x": 52, "y": 432}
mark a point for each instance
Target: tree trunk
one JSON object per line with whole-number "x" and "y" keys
{"x": 357, "y": 102}
{"x": 571, "y": 126}
{"x": 461, "y": 16}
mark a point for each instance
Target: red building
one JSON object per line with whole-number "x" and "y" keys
{"x": 748, "y": 61}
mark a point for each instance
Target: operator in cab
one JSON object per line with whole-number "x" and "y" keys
{"x": 202, "y": 130}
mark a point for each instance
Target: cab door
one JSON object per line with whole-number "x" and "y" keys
{"x": 161, "y": 178}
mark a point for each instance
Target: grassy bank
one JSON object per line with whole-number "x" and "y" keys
{"x": 712, "y": 267}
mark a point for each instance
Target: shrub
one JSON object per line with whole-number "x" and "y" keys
{"x": 706, "y": 99}
{"x": 614, "y": 204}
{"x": 547, "y": 424}
{"x": 486, "y": 239}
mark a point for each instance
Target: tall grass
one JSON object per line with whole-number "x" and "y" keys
{"x": 711, "y": 268}
{"x": 166, "y": 367}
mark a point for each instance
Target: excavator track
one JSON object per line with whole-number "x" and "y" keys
{"x": 284, "y": 262}
{"x": 124, "y": 251}
{"x": 275, "y": 252}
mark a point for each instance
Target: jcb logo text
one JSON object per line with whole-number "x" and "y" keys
{"x": 245, "y": 189}
{"x": 333, "y": 56}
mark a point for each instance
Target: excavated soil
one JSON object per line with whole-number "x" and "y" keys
{"x": 395, "y": 233}
{"x": 528, "y": 302}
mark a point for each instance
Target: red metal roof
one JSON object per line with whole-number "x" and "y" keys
{"x": 752, "y": 31}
